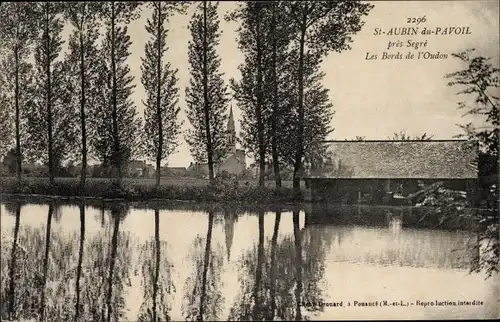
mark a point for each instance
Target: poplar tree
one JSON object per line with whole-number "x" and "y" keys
{"x": 161, "y": 124}
{"x": 116, "y": 124}
{"x": 16, "y": 33}
{"x": 81, "y": 57}
{"x": 264, "y": 94}
{"x": 280, "y": 35}
{"x": 321, "y": 27}
{"x": 50, "y": 116}
{"x": 206, "y": 95}
{"x": 115, "y": 119}
{"x": 249, "y": 92}
{"x": 318, "y": 113}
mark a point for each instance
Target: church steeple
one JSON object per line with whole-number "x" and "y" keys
{"x": 231, "y": 132}
{"x": 230, "y": 121}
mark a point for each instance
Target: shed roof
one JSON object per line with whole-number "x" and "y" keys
{"x": 433, "y": 159}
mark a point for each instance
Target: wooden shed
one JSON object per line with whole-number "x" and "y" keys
{"x": 375, "y": 171}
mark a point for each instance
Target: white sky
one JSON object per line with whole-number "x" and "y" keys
{"x": 371, "y": 98}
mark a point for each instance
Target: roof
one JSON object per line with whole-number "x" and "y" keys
{"x": 34, "y": 166}
{"x": 240, "y": 154}
{"x": 197, "y": 166}
{"x": 137, "y": 162}
{"x": 432, "y": 159}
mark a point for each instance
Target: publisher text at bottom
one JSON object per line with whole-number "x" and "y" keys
{"x": 388, "y": 303}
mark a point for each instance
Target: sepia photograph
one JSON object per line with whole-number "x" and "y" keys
{"x": 249, "y": 160}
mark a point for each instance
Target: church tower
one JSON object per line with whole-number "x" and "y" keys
{"x": 231, "y": 132}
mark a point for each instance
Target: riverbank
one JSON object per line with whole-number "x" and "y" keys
{"x": 142, "y": 190}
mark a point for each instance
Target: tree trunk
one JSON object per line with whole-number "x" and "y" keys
{"x": 205, "y": 99}
{"x": 12, "y": 271}
{"x": 19, "y": 162}
{"x": 298, "y": 265}
{"x": 206, "y": 264}
{"x": 274, "y": 119}
{"x": 114, "y": 250}
{"x": 274, "y": 243}
{"x": 300, "y": 131}
{"x": 258, "y": 108}
{"x": 158, "y": 102}
{"x": 46, "y": 262}
{"x": 157, "y": 261}
{"x": 257, "y": 295}
{"x": 80, "y": 261}
{"x": 83, "y": 173}
{"x": 117, "y": 157}
{"x": 49, "y": 97}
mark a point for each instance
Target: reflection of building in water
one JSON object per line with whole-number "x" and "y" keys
{"x": 395, "y": 223}
{"x": 57, "y": 213}
{"x": 367, "y": 215}
{"x": 230, "y": 219}
{"x": 378, "y": 246}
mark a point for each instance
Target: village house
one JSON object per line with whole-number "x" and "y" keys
{"x": 286, "y": 173}
{"x": 33, "y": 169}
{"x": 138, "y": 168}
{"x": 76, "y": 170}
{"x": 198, "y": 169}
{"x": 375, "y": 171}
{"x": 135, "y": 168}
{"x": 174, "y": 172}
{"x": 149, "y": 171}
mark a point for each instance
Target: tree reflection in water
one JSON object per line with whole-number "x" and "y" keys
{"x": 272, "y": 286}
{"x": 105, "y": 271}
{"x": 40, "y": 268}
{"x": 8, "y": 295}
{"x": 257, "y": 295}
{"x": 315, "y": 246}
{"x": 202, "y": 294}
{"x": 157, "y": 281}
{"x": 46, "y": 261}
{"x": 298, "y": 265}
{"x": 80, "y": 260}
{"x": 282, "y": 275}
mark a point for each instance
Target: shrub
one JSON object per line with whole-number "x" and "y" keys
{"x": 225, "y": 188}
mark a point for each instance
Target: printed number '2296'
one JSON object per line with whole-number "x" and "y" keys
{"x": 417, "y": 21}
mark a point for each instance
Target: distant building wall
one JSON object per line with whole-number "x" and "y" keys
{"x": 375, "y": 191}
{"x": 232, "y": 165}
{"x": 174, "y": 172}
{"x": 197, "y": 169}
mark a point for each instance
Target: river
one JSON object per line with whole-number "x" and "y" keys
{"x": 127, "y": 262}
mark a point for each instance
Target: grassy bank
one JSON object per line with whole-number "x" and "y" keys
{"x": 144, "y": 190}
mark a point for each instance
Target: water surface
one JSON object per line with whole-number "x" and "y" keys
{"x": 120, "y": 262}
